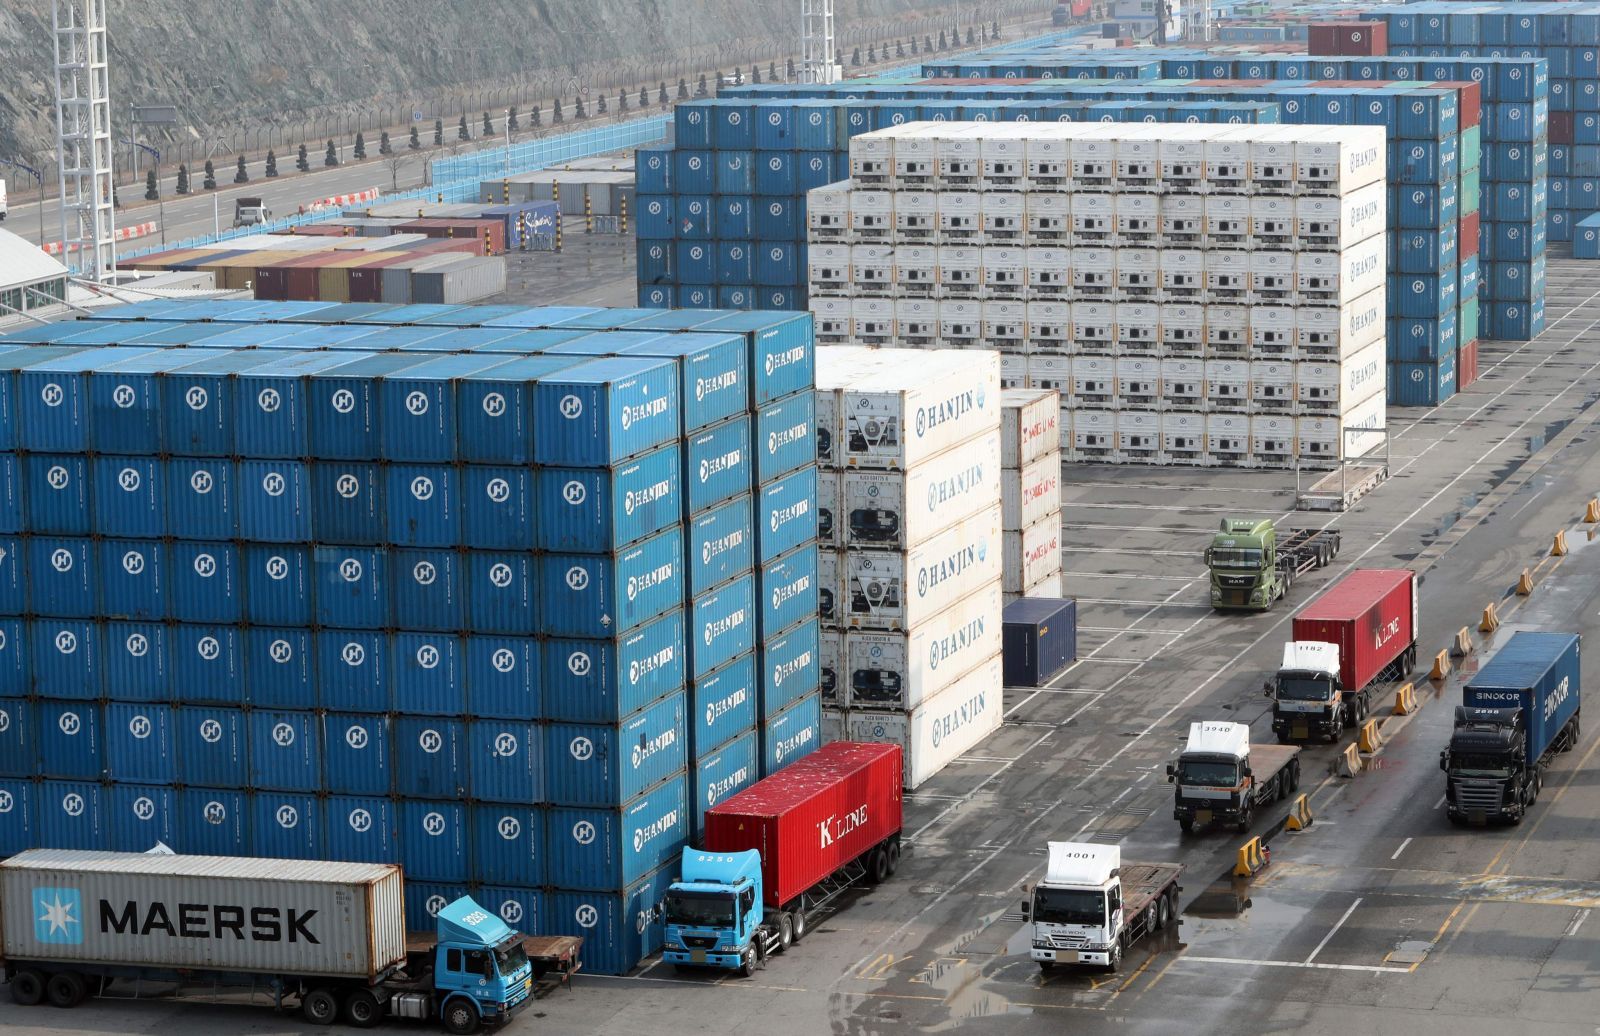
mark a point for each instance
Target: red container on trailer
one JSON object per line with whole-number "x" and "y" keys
{"x": 1469, "y": 100}
{"x": 1466, "y": 365}
{"x": 812, "y": 817}
{"x": 1467, "y": 234}
{"x": 1371, "y": 614}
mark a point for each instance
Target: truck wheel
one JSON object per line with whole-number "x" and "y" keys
{"x": 893, "y": 848}
{"x": 65, "y": 989}
{"x": 1116, "y": 955}
{"x": 362, "y": 1010}
{"x": 1294, "y": 776}
{"x": 1245, "y": 819}
{"x": 747, "y": 966}
{"x": 877, "y": 867}
{"x": 320, "y": 1007}
{"x": 1186, "y": 825}
{"x": 460, "y": 1016}
{"x": 27, "y": 988}
{"x": 785, "y": 931}
{"x": 1163, "y": 913}
{"x": 801, "y": 926}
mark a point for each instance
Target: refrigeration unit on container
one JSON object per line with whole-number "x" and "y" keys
{"x": 894, "y": 590}
{"x": 887, "y": 423}
{"x": 885, "y": 510}
{"x": 942, "y": 727}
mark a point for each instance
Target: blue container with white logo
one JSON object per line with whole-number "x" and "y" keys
{"x": 653, "y": 170}
{"x": 139, "y": 743}
{"x": 428, "y": 590}
{"x": 352, "y": 669}
{"x": 356, "y": 753}
{"x": 1422, "y": 340}
{"x": 13, "y": 591}
{"x": 495, "y": 409}
{"x": 786, "y": 514}
{"x": 692, "y": 125}
{"x": 17, "y": 756}
{"x": 285, "y": 825}
{"x": 497, "y": 507}
{"x": 609, "y": 764}
{"x": 722, "y": 705}
{"x": 140, "y": 815}
{"x": 211, "y": 746}
{"x": 12, "y": 513}
{"x": 68, "y": 739}
{"x": 271, "y": 411}
{"x": 419, "y": 407}
{"x": 503, "y": 678}
{"x": 619, "y": 929}
{"x": 655, "y": 258}
{"x": 204, "y": 582}
{"x": 791, "y": 735}
{"x": 785, "y": 435}
{"x": 735, "y": 173}
{"x": 779, "y": 264}
{"x": 782, "y": 351}
{"x": 55, "y": 408}
{"x": 1425, "y": 384}
{"x": 501, "y": 592}
{"x": 428, "y": 756}
{"x": 606, "y": 680}
{"x": 132, "y": 580}
{"x": 277, "y": 584}
{"x": 600, "y": 510}
{"x": 507, "y": 843}
{"x": 505, "y": 761}
{"x": 130, "y": 497}
{"x": 790, "y": 667}
{"x": 786, "y": 588}
{"x": 201, "y": 400}
{"x": 19, "y": 822}
{"x": 1423, "y": 294}
{"x": 722, "y": 625}
{"x": 199, "y": 499}
{"x": 520, "y": 907}
{"x": 361, "y": 829}
{"x": 61, "y": 576}
{"x": 278, "y": 667}
{"x": 656, "y": 217}
{"x": 721, "y": 544}
{"x": 344, "y": 407}
{"x": 723, "y": 772}
{"x": 602, "y": 411}
{"x": 15, "y": 674}
{"x": 57, "y": 494}
{"x": 591, "y": 595}
{"x": 67, "y": 815}
{"x": 713, "y": 374}
{"x": 693, "y": 171}
{"x": 433, "y": 840}
{"x": 778, "y": 219}
{"x": 208, "y": 663}
{"x": 65, "y": 657}
{"x": 813, "y": 171}
{"x": 718, "y": 464}
{"x": 285, "y": 751}
{"x": 275, "y": 501}
{"x": 603, "y": 848}
{"x": 423, "y": 505}
{"x": 126, "y": 398}
{"x": 732, "y": 261}
{"x": 347, "y": 502}
{"x": 775, "y": 175}
{"x": 351, "y": 587}
{"x": 426, "y": 674}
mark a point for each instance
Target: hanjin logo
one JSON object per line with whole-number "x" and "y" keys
{"x": 578, "y": 664}
{"x": 356, "y": 737}
{"x": 66, "y": 642}
{"x": 422, "y": 488}
{"x": 139, "y": 727}
{"x": 348, "y": 486}
{"x": 433, "y": 824}
{"x": 494, "y": 404}
{"x": 210, "y": 731}
{"x": 350, "y": 569}
{"x": 574, "y": 493}
{"x": 61, "y": 560}
{"x": 353, "y": 654}
{"x": 133, "y": 563}
{"x": 582, "y": 749}
{"x": 129, "y": 480}
{"x": 424, "y": 573}
{"x": 280, "y": 652}
{"x": 72, "y": 804}
{"x": 137, "y": 645}
{"x": 344, "y": 401}
{"x": 57, "y": 477}
{"x": 500, "y": 575}
{"x": 288, "y": 817}
{"x": 430, "y": 741}
{"x": 417, "y": 404}
{"x": 208, "y": 648}
{"x": 503, "y": 660}
{"x": 586, "y": 916}
{"x": 144, "y": 808}
{"x": 274, "y": 484}
{"x": 269, "y": 400}
{"x": 577, "y": 578}
{"x": 52, "y": 395}
{"x": 197, "y": 398}
{"x": 123, "y": 396}
{"x": 509, "y": 828}
{"x": 571, "y": 407}
{"x": 205, "y": 566}
{"x": 505, "y": 745}
{"x": 201, "y": 482}
{"x": 498, "y": 490}
{"x": 428, "y": 656}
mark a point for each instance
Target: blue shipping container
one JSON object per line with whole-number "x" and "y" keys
{"x": 433, "y": 840}
{"x": 791, "y": 667}
{"x": 586, "y": 595}
{"x": 718, "y": 464}
{"x": 505, "y": 761}
{"x": 602, "y": 411}
{"x": 721, "y": 543}
{"x": 787, "y": 590}
{"x": 1537, "y": 673}
{"x": 786, "y": 514}
{"x": 600, "y": 510}
{"x": 610, "y": 848}
{"x": 507, "y": 843}
{"x": 618, "y": 929}
{"x": 722, "y": 704}
{"x": 356, "y": 754}
{"x": 138, "y": 817}
{"x": 503, "y": 679}
{"x": 722, "y": 625}
{"x": 139, "y": 743}
{"x": 213, "y": 822}
{"x": 608, "y": 679}
{"x": 791, "y": 735}
{"x": 727, "y": 770}
{"x": 607, "y": 765}
{"x": 428, "y": 756}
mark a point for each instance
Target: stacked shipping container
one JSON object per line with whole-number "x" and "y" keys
{"x": 1030, "y": 491}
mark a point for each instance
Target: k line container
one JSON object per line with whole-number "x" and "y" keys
{"x": 942, "y": 728}
{"x": 1371, "y": 614}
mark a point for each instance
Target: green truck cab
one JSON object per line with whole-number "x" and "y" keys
{"x": 1252, "y": 569}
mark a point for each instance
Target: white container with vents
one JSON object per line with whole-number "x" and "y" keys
{"x": 888, "y": 425}
{"x": 901, "y": 670}
{"x": 898, "y": 510}
{"x": 896, "y": 590}
{"x": 941, "y": 729}
{"x": 1033, "y": 493}
{"x": 1032, "y": 553}
{"x": 1029, "y": 426}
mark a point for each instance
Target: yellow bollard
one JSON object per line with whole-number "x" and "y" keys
{"x": 1524, "y": 584}
{"x": 1371, "y": 740}
{"x": 1441, "y": 666}
{"x": 1591, "y": 512}
{"x": 1558, "y": 549}
{"x": 1405, "y": 700}
{"x": 1461, "y": 646}
{"x": 1491, "y": 619}
{"x": 1300, "y": 816}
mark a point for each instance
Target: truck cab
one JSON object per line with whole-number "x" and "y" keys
{"x": 250, "y": 212}
{"x": 1306, "y": 694}
{"x": 714, "y": 911}
{"x": 481, "y": 974}
{"x": 1486, "y": 765}
{"x": 1242, "y": 560}
{"x": 1077, "y": 910}
{"x": 1221, "y": 776}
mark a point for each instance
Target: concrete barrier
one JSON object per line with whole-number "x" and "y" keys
{"x": 1491, "y": 619}
{"x": 1348, "y": 762}
{"x": 1300, "y": 816}
{"x": 1370, "y": 740}
{"x": 1525, "y": 583}
{"x": 1405, "y": 700}
{"x": 1461, "y": 645}
{"x": 1441, "y": 666}
{"x": 1558, "y": 549}
{"x": 1591, "y": 511}
{"x": 1250, "y": 859}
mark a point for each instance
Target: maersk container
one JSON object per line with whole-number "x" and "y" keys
{"x": 608, "y": 848}
{"x": 17, "y": 757}
{"x": 495, "y": 409}
{"x": 722, "y": 625}
{"x": 790, "y": 667}
{"x": 600, "y": 510}
{"x": 507, "y": 843}
{"x": 127, "y": 397}
{"x": 355, "y": 753}
{"x": 601, "y": 411}
{"x": 351, "y": 587}
{"x": 721, "y": 543}
{"x": 55, "y": 408}
{"x": 285, "y": 825}
{"x": 722, "y": 704}
{"x": 204, "y": 582}
{"x": 724, "y": 772}
{"x": 428, "y": 587}
{"x": 210, "y": 745}
{"x": 347, "y": 502}
{"x": 272, "y": 406}
{"x": 275, "y": 501}
{"x": 65, "y": 658}
{"x": 200, "y": 499}
{"x": 619, "y": 929}
{"x": 132, "y": 580}
{"x": 57, "y": 493}
{"x": 786, "y": 514}
{"x": 588, "y": 595}
{"x": 607, "y": 679}
{"x": 285, "y": 751}
{"x": 785, "y": 435}
{"x": 428, "y": 757}
{"x": 791, "y": 735}
{"x": 426, "y": 674}
{"x": 1371, "y": 616}
{"x": 213, "y": 822}
{"x": 138, "y": 817}
{"x": 505, "y": 761}
{"x": 278, "y": 667}
{"x": 139, "y": 745}
{"x": 18, "y": 816}
{"x": 782, "y": 351}
{"x": 130, "y": 496}
{"x": 67, "y": 815}
{"x": 718, "y": 464}
{"x": 419, "y": 407}
{"x": 208, "y": 662}
{"x": 609, "y": 764}
{"x": 433, "y": 840}
{"x": 361, "y": 829}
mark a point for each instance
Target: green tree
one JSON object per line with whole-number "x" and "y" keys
{"x": 872, "y": 54}
{"x": 330, "y": 155}
{"x": 512, "y": 122}
{"x": 239, "y": 174}
{"x": 303, "y": 161}
{"x": 438, "y": 132}
{"x": 488, "y": 126}
{"x": 272, "y": 164}
{"x": 151, "y": 192}
{"x": 414, "y": 144}
{"x": 644, "y": 96}
{"x": 700, "y": 90}
{"x": 855, "y": 56}
{"x": 556, "y": 118}
{"x": 755, "y": 74}
{"x": 600, "y": 105}
{"x": 210, "y": 182}
{"x": 972, "y": 36}
{"x": 994, "y": 30}
{"x": 622, "y": 100}
{"x": 361, "y": 146}
{"x": 772, "y": 71}
{"x": 183, "y": 179}
{"x": 535, "y": 115}
{"x": 384, "y": 147}
{"x": 788, "y": 69}
{"x": 578, "y": 111}
{"x": 661, "y": 98}
{"x": 683, "y": 89}
{"x": 462, "y": 132}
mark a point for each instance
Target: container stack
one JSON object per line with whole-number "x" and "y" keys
{"x": 1198, "y": 295}
{"x": 910, "y": 451}
{"x": 464, "y": 612}
{"x": 1030, "y": 458}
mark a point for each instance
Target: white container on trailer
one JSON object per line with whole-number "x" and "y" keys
{"x": 1032, "y": 494}
{"x": 898, "y": 590}
{"x": 943, "y": 728}
{"x": 885, "y": 510}
{"x": 901, "y": 670}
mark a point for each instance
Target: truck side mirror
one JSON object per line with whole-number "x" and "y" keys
{"x": 1266, "y": 688}
{"x": 1172, "y": 772}
{"x": 1025, "y": 908}
{"x": 1247, "y": 771}
{"x": 1444, "y": 759}
{"x": 1208, "y": 557}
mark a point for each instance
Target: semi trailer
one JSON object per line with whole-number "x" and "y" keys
{"x": 1220, "y": 776}
{"x": 1092, "y": 906}
{"x": 1252, "y": 567}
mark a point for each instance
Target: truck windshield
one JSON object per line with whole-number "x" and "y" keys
{"x": 1063, "y": 906}
{"x": 707, "y": 909}
{"x": 1211, "y": 775}
{"x": 1230, "y": 557}
{"x": 1303, "y": 688}
{"x": 510, "y": 957}
{"x": 1472, "y": 764}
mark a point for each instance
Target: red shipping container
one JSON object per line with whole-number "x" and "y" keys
{"x": 1365, "y": 39}
{"x": 366, "y": 282}
{"x": 304, "y": 276}
{"x": 1371, "y": 614}
{"x": 1467, "y": 234}
{"x": 1323, "y": 40}
{"x": 1466, "y": 365}
{"x": 1561, "y": 127}
{"x": 812, "y": 817}
{"x": 1469, "y": 101}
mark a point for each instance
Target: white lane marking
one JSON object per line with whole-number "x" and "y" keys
{"x": 1334, "y": 930}
{"x": 1130, "y": 629}
{"x": 1436, "y": 805}
{"x": 1575, "y": 923}
{"x": 1084, "y": 574}
{"x": 1159, "y": 487}
{"x": 1400, "y": 850}
{"x": 1131, "y": 550}
{"x": 1371, "y": 968}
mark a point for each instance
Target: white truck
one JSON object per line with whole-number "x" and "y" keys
{"x": 1091, "y": 906}
{"x": 2, "y": 201}
{"x": 1221, "y": 776}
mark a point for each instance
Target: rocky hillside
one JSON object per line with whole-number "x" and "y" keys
{"x": 233, "y": 64}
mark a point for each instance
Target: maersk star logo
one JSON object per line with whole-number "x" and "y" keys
{"x": 57, "y": 916}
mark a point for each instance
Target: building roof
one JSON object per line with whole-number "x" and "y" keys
{"x": 22, "y": 263}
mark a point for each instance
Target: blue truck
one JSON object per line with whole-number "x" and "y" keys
{"x": 1516, "y": 713}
